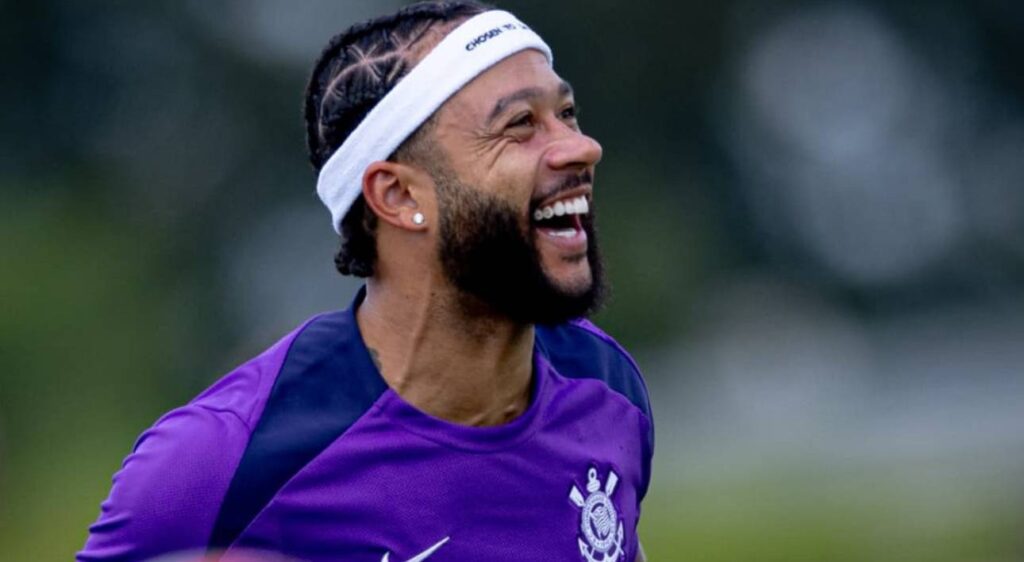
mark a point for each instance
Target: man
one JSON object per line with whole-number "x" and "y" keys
{"x": 456, "y": 411}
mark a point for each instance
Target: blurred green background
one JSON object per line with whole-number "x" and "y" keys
{"x": 813, "y": 214}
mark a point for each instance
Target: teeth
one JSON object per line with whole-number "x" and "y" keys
{"x": 564, "y": 233}
{"x": 577, "y": 206}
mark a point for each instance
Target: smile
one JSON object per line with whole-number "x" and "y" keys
{"x": 575, "y": 206}
{"x": 561, "y": 222}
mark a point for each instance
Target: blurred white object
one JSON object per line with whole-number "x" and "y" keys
{"x": 840, "y": 131}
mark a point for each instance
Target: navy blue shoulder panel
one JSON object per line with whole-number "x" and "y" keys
{"x": 580, "y": 350}
{"x": 327, "y": 382}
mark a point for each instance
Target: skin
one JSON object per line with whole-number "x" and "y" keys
{"x": 443, "y": 352}
{"x": 511, "y": 132}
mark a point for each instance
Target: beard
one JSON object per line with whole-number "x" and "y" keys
{"x": 487, "y": 256}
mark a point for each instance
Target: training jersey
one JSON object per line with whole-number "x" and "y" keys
{"x": 305, "y": 451}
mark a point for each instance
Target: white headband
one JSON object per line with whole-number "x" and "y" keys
{"x": 471, "y": 48}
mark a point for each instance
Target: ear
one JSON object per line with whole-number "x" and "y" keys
{"x": 394, "y": 192}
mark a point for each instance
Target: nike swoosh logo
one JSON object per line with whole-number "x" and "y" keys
{"x": 423, "y": 555}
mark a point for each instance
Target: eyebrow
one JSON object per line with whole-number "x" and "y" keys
{"x": 564, "y": 90}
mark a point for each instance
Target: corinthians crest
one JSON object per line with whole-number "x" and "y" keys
{"x": 599, "y": 522}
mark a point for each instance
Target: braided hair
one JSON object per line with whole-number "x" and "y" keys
{"x": 354, "y": 72}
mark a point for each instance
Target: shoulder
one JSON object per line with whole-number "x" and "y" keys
{"x": 579, "y": 349}
{"x": 325, "y": 384}
{"x": 168, "y": 490}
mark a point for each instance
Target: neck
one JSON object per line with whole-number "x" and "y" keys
{"x": 446, "y": 358}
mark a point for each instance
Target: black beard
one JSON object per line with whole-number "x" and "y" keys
{"x": 486, "y": 255}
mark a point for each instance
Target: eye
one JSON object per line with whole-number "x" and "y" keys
{"x": 570, "y": 112}
{"x": 523, "y": 120}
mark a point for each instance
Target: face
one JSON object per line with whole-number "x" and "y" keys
{"x": 488, "y": 255}
{"x": 516, "y": 194}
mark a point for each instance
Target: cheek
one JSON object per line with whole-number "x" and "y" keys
{"x": 514, "y": 181}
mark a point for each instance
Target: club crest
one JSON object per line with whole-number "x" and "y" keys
{"x": 601, "y": 529}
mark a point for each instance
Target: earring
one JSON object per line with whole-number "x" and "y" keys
{"x": 418, "y": 218}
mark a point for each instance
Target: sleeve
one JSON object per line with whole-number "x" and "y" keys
{"x": 647, "y": 436}
{"x": 167, "y": 494}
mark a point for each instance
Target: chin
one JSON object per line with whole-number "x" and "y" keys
{"x": 572, "y": 283}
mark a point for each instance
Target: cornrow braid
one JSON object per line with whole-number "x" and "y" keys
{"x": 356, "y": 69}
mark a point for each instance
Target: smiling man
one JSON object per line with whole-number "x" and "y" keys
{"x": 461, "y": 408}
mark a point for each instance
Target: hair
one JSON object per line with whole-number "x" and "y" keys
{"x": 356, "y": 69}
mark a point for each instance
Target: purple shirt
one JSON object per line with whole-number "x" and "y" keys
{"x": 305, "y": 451}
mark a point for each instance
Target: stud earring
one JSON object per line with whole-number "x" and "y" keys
{"x": 418, "y": 218}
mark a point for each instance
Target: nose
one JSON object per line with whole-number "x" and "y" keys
{"x": 573, "y": 149}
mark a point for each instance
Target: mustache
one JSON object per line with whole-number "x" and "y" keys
{"x": 570, "y": 182}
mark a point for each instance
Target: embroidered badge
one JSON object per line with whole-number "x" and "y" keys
{"x": 602, "y": 539}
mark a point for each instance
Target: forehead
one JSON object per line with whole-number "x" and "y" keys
{"x": 524, "y": 70}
